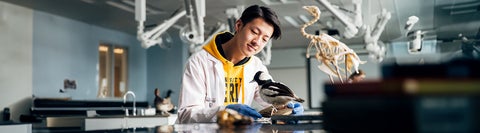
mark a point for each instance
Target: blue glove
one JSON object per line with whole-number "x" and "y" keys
{"x": 297, "y": 108}
{"x": 245, "y": 110}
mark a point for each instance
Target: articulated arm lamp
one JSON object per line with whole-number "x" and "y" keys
{"x": 152, "y": 37}
{"x": 193, "y": 34}
{"x": 376, "y": 51}
{"x": 195, "y": 12}
{"x": 352, "y": 25}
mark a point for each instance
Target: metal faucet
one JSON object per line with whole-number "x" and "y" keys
{"x": 125, "y": 100}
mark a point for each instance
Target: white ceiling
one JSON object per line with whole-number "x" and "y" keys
{"x": 442, "y": 19}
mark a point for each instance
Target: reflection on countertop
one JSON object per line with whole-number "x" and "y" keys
{"x": 161, "y": 124}
{"x": 206, "y": 128}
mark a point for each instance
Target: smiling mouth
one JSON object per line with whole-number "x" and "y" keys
{"x": 251, "y": 47}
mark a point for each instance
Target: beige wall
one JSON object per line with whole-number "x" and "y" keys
{"x": 15, "y": 59}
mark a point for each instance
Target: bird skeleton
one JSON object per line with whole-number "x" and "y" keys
{"x": 329, "y": 51}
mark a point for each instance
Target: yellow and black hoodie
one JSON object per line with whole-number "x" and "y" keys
{"x": 209, "y": 82}
{"x": 233, "y": 72}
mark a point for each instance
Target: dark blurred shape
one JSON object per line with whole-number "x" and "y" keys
{"x": 369, "y": 114}
{"x": 6, "y": 114}
{"x": 333, "y": 32}
{"x": 69, "y": 84}
{"x": 470, "y": 47}
{"x": 458, "y": 68}
{"x": 439, "y": 98}
{"x": 30, "y": 118}
{"x": 68, "y": 107}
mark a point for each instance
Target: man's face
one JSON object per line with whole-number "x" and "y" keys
{"x": 253, "y": 36}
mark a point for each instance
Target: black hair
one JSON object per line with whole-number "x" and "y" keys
{"x": 266, "y": 13}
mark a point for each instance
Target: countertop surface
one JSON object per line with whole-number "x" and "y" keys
{"x": 206, "y": 128}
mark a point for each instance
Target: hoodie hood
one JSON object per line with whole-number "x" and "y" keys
{"x": 214, "y": 47}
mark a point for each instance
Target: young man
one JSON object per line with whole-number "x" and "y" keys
{"x": 219, "y": 76}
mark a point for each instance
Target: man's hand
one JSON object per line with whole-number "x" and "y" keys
{"x": 297, "y": 108}
{"x": 245, "y": 110}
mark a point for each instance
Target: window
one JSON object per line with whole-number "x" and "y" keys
{"x": 112, "y": 71}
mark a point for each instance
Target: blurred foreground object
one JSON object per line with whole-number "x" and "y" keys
{"x": 229, "y": 118}
{"x": 411, "y": 98}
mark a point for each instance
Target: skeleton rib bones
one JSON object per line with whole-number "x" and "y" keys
{"x": 329, "y": 51}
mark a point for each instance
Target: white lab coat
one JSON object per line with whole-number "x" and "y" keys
{"x": 203, "y": 88}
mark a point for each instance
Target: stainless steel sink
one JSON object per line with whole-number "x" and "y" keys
{"x": 123, "y": 122}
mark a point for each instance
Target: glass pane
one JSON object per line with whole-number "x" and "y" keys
{"x": 112, "y": 71}
{"x": 103, "y": 73}
{"x": 119, "y": 69}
